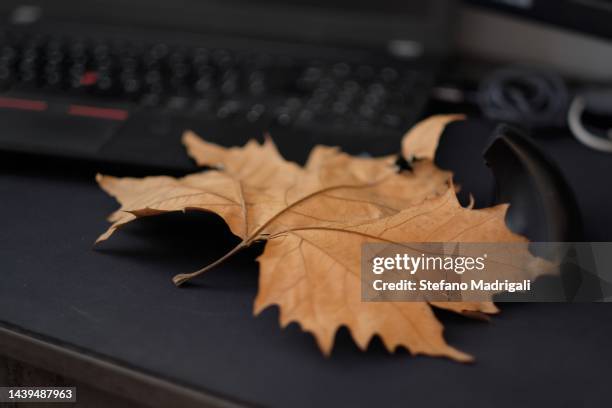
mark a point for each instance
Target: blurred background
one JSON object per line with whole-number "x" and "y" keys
{"x": 356, "y": 74}
{"x": 110, "y": 86}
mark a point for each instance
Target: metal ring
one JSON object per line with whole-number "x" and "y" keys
{"x": 574, "y": 121}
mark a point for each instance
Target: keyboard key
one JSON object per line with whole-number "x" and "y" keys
{"x": 255, "y": 113}
{"x": 201, "y": 106}
{"x": 177, "y": 103}
{"x": 150, "y": 100}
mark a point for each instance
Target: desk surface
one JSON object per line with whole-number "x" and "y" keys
{"x": 117, "y": 303}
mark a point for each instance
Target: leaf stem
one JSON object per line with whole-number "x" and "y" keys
{"x": 184, "y": 277}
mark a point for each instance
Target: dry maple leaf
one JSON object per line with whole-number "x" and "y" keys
{"x": 315, "y": 219}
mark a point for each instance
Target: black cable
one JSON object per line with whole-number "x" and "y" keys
{"x": 529, "y": 97}
{"x": 598, "y": 101}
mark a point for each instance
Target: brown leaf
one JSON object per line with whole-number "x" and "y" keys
{"x": 315, "y": 219}
{"x": 422, "y": 140}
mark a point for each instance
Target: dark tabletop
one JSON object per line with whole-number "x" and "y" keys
{"x": 118, "y": 302}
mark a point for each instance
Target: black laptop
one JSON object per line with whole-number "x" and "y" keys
{"x": 118, "y": 81}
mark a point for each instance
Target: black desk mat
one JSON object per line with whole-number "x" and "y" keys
{"x": 118, "y": 302}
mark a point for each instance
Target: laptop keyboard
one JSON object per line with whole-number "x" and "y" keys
{"x": 218, "y": 83}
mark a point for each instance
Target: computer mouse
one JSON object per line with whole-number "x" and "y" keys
{"x": 496, "y": 163}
